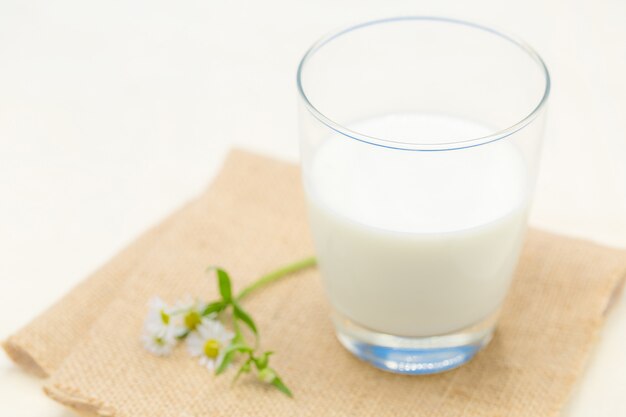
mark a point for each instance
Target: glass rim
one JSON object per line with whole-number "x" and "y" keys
{"x": 400, "y": 145}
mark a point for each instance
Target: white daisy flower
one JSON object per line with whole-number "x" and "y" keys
{"x": 159, "y": 316}
{"x": 208, "y": 343}
{"x": 159, "y": 336}
{"x": 159, "y": 343}
{"x": 187, "y": 315}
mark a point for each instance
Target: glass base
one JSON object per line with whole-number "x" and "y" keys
{"x": 414, "y": 355}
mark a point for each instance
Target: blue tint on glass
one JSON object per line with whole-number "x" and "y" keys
{"x": 415, "y": 361}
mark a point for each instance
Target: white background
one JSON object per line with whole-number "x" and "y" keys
{"x": 113, "y": 113}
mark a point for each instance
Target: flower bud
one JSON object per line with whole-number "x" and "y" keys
{"x": 267, "y": 375}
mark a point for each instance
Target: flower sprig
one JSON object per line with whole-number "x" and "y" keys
{"x": 201, "y": 325}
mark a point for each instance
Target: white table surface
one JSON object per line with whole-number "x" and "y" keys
{"x": 114, "y": 113}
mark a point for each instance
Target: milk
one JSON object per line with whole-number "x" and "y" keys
{"x": 417, "y": 243}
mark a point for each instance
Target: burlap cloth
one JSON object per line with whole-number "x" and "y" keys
{"x": 252, "y": 220}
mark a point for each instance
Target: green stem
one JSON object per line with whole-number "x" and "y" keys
{"x": 277, "y": 274}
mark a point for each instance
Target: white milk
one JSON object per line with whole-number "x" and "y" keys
{"x": 417, "y": 243}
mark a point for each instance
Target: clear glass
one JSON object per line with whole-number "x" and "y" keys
{"x": 420, "y": 140}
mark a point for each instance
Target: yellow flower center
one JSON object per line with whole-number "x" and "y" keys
{"x": 165, "y": 318}
{"x": 159, "y": 341}
{"x": 192, "y": 319}
{"x": 212, "y": 348}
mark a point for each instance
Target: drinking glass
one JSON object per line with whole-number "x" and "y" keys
{"x": 420, "y": 140}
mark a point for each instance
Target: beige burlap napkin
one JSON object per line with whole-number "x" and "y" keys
{"x": 44, "y": 343}
{"x": 252, "y": 220}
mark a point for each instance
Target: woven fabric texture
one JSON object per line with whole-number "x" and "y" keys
{"x": 252, "y": 220}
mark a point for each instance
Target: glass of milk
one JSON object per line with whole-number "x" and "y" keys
{"x": 420, "y": 140}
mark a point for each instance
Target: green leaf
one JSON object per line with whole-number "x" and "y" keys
{"x": 228, "y": 358}
{"x": 237, "y": 347}
{"x": 243, "y": 369}
{"x": 214, "y": 307}
{"x": 262, "y": 361}
{"x": 278, "y": 383}
{"x": 240, "y": 314}
{"x": 223, "y": 281}
{"x": 229, "y": 355}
